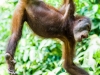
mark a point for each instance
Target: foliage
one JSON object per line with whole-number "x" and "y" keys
{"x": 38, "y": 56}
{"x": 88, "y": 50}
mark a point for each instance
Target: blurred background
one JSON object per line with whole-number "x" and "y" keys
{"x": 38, "y": 56}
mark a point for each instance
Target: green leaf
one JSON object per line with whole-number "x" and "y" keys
{"x": 32, "y": 54}
{"x": 26, "y": 55}
{"x": 95, "y": 8}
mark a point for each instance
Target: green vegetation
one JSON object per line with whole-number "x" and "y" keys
{"x": 38, "y": 56}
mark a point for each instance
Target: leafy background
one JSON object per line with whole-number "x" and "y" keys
{"x": 38, "y": 56}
